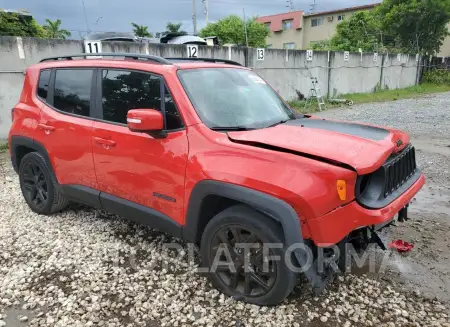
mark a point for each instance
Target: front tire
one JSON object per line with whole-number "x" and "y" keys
{"x": 248, "y": 274}
{"x": 38, "y": 188}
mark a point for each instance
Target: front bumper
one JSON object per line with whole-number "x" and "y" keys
{"x": 333, "y": 227}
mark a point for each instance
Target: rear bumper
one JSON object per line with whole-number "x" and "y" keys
{"x": 334, "y": 226}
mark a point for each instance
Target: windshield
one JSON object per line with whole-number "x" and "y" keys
{"x": 233, "y": 98}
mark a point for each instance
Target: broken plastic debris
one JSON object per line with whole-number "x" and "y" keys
{"x": 401, "y": 246}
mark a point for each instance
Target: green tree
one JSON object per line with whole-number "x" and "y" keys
{"x": 416, "y": 25}
{"x": 53, "y": 31}
{"x": 141, "y": 30}
{"x": 395, "y": 26}
{"x": 231, "y": 29}
{"x": 175, "y": 28}
{"x": 17, "y": 24}
{"x": 361, "y": 31}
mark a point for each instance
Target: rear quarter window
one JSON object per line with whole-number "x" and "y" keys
{"x": 44, "y": 81}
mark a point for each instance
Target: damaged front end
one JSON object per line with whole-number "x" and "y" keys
{"x": 334, "y": 260}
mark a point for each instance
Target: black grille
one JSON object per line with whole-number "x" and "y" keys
{"x": 399, "y": 169}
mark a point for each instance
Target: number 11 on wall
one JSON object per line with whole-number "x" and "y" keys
{"x": 93, "y": 47}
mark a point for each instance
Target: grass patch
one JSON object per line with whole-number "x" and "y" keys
{"x": 3, "y": 147}
{"x": 379, "y": 96}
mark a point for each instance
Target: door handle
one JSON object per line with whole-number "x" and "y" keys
{"x": 46, "y": 128}
{"x": 104, "y": 142}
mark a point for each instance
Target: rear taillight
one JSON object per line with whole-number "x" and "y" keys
{"x": 12, "y": 114}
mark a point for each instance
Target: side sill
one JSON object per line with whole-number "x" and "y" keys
{"x": 123, "y": 208}
{"x": 140, "y": 214}
{"x": 82, "y": 194}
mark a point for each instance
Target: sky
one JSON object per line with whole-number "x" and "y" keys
{"x": 117, "y": 15}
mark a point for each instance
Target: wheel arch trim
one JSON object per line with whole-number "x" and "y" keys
{"x": 273, "y": 207}
{"x": 267, "y": 204}
{"x": 28, "y": 142}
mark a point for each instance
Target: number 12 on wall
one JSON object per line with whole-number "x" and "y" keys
{"x": 192, "y": 50}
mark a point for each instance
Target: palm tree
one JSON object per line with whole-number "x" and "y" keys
{"x": 175, "y": 28}
{"x": 52, "y": 30}
{"x": 141, "y": 30}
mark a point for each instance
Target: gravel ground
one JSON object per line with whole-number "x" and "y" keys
{"x": 83, "y": 267}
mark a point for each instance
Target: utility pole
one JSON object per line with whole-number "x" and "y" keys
{"x": 245, "y": 28}
{"x": 313, "y": 6}
{"x": 194, "y": 16}
{"x": 290, "y": 5}
{"x": 205, "y": 10}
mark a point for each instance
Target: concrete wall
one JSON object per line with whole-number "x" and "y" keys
{"x": 359, "y": 74}
{"x": 398, "y": 71}
{"x": 288, "y": 71}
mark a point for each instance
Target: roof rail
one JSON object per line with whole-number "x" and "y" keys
{"x": 136, "y": 56}
{"x": 225, "y": 61}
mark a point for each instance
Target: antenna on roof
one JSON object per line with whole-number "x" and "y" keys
{"x": 313, "y": 6}
{"x": 290, "y": 5}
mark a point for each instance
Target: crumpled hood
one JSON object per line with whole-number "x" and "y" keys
{"x": 363, "y": 147}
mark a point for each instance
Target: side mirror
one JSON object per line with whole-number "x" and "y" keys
{"x": 145, "y": 120}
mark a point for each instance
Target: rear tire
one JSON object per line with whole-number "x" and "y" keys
{"x": 242, "y": 224}
{"x": 38, "y": 188}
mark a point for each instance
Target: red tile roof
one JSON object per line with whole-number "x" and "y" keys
{"x": 276, "y": 21}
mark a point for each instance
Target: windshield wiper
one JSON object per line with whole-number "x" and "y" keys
{"x": 279, "y": 123}
{"x": 231, "y": 128}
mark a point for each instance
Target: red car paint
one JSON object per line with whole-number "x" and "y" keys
{"x": 132, "y": 165}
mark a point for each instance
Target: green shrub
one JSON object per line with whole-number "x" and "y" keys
{"x": 437, "y": 77}
{"x": 3, "y": 147}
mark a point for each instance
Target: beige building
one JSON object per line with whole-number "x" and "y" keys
{"x": 445, "y": 48}
{"x": 297, "y": 30}
{"x": 321, "y": 27}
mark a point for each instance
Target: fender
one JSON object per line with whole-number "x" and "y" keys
{"x": 17, "y": 141}
{"x": 267, "y": 204}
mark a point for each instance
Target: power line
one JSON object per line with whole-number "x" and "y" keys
{"x": 265, "y": 4}
{"x": 85, "y": 16}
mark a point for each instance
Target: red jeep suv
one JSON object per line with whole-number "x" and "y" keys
{"x": 205, "y": 150}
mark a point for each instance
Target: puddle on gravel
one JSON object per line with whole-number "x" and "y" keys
{"x": 12, "y": 314}
{"x": 432, "y": 199}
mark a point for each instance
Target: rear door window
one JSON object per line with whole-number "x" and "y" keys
{"x": 73, "y": 91}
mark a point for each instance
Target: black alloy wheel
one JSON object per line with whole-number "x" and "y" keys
{"x": 40, "y": 190}
{"x": 240, "y": 262}
{"x": 35, "y": 185}
{"x": 244, "y": 252}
